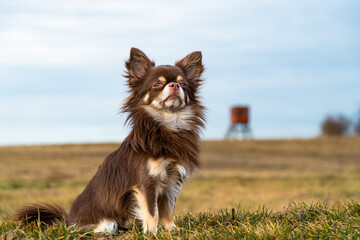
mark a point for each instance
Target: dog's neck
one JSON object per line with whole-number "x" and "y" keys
{"x": 168, "y": 136}
{"x": 180, "y": 120}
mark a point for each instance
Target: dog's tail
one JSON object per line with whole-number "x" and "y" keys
{"x": 40, "y": 212}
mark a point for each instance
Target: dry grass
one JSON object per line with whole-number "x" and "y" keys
{"x": 252, "y": 173}
{"x": 299, "y": 221}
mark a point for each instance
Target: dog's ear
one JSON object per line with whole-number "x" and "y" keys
{"x": 137, "y": 66}
{"x": 191, "y": 65}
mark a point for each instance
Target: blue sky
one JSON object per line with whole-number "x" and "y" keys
{"x": 61, "y": 63}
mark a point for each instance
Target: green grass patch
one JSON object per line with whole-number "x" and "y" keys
{"x": 298, "y": 221}
{"x": 11, "y": 185}
{"x": 14, "y": 185}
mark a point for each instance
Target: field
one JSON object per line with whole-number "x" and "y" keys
{"x": 244, "y": 175}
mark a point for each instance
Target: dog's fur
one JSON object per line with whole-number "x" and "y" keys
{"x": 141, "y": 180}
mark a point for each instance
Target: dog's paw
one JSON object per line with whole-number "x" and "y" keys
{"x": 170, "y": 226}
{"x": 107, "y": 227}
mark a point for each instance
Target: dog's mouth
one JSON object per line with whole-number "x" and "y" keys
{"x": 170, "y": 97}
{"x": 173, "y": 96}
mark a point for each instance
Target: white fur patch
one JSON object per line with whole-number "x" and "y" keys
{"x": 182, "y": 171}
{"x": 173, "y": 103}
{"x": 175, "y": 186}
{"x": 180, "y": 120}
{"x": 107, "y": 226}
{"x": 157, "y": 168}
{"x": 161, "y": 101}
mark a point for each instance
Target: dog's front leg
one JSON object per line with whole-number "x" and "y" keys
{"x": 166, "y": 202}
{"x": 147, "y": 208}
{"x": 166, "y": 208}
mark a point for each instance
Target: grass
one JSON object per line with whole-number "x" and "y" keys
{"x": 254, "y": 173}
{"x": 299, "y": 221}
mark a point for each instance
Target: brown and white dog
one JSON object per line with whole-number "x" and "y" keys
{"x": 141, "y": 180}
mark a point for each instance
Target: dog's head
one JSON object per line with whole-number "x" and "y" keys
{"x": 167, "y": 93}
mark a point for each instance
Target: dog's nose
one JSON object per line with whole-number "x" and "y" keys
{"x": 174, "y": 85}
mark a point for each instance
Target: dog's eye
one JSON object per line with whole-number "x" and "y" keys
{"x": 157, "y": 85}
{"x": 183, "y": 84}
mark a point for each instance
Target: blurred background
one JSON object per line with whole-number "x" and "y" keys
{"x": 295, "y": 64}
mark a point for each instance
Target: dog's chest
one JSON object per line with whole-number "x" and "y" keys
{"x": 166, "y": 174}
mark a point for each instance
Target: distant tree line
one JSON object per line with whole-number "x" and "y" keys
{"x": 339, "y": 125}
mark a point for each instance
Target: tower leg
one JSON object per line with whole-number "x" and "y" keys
{"x": 237, "y": 131}
{"x": 229, "y": 131}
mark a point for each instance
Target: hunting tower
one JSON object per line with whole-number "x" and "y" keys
{"x": 239, "y": 123}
